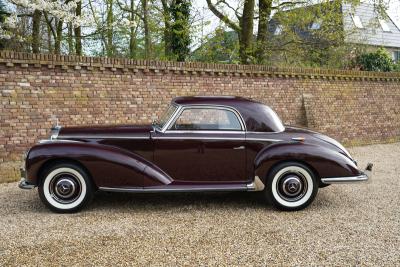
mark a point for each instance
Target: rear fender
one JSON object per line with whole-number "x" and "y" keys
{"x": 108, "y": 166}
{"x": 323, "y": 161}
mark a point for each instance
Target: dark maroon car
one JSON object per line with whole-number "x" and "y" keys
{"x": 199, "y": 144}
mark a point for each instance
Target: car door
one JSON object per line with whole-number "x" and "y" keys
{"x": 203, "y": 145}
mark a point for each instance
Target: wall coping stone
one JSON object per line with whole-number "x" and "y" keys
{"x": 12, "y": 59}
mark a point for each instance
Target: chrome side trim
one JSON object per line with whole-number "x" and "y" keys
{"x": 251, "y": 132}
{"x": 197, "y": 138}
{"x": 214, "y": 138}
{"x": 363, "y": 177}
{"x": 58, "y": 141}
{"x": 176, "y": 189}
{"x": 343, "y": 180}
{"x": 23, "y": 184}
{"x": 256, "y": 185}
{"x": 263, "y": 139}
{"x": 103, "y": 137}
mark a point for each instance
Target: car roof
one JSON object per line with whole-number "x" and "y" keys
{"x": 212, "y": 100}
{"x": 257, "y": 116}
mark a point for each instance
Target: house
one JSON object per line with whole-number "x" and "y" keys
{"x": 361, "y": 25}
{"x": 365, "y": 26}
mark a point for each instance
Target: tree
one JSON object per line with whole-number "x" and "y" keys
{"x": 37, "y": 14}
{"x": 180, "y": 31}
{"x": 265, "y": 9}
{"x": 3, "y": 15}
{"x": 167, "y": 38}
{"x": 244, "y": 28}
{"x": 78, "y": 30}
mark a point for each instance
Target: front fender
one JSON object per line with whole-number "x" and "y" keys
{"x": 108, "y": 166}
{"x": 324, "y": 161}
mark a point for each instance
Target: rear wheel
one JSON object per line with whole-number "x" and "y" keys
{"x": 291, "y": 186}
{"x": 65, "y": 188}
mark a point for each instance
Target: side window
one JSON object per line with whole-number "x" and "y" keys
{"x": 207, "y": 119}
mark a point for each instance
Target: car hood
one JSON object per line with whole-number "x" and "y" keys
{"x": 316, "y": 138}
{"x": 108, "y": 131}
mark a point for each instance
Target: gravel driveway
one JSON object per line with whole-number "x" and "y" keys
{"x": 346, "y": 225}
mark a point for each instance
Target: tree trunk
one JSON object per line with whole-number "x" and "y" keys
{"x": 49, "y": 35}
{"x": 70, "y": 40}
{"x": 147, "y": 37}
{"x": 37, "y": 15}
{"x": 132, "y": 39}
{"x": 57, "y": 41}
{"x": 109, "y": 32}
{"x": 246, "y": 33}
{"x": 77, "y": 31}
{"x": 265, "y": 7}
{"x": 167, "y": 29}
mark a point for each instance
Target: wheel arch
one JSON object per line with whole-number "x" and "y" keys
{"x": 108, "y": 166}
{"x": 59, "y": 160}
{"x": 322, "y": 161}
{"x": 315, "y": 172}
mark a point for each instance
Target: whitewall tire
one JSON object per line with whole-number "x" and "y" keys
{"x": 291, "y": 186}
{"x": 65, "y": 187}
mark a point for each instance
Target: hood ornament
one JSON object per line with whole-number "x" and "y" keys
{"x": 55, "y": 119}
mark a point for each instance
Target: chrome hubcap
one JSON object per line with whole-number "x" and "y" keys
{"x": 291, "y": 186}
{"x": 65, "y": 188}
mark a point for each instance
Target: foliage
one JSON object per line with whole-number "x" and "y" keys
{"x": 173, "y": 30}
{"x": 221, "y": 46}
{"x": 379, "y": 60}
{"x": 180, "y": 29}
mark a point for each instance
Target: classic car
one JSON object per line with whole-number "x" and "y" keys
{"x": 199, "y": 144}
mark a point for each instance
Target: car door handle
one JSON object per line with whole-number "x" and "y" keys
{"x": 239, "y": 147}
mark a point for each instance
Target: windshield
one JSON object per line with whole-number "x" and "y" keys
{"x": 160, "y": 123}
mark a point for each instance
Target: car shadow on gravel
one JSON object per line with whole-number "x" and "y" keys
{"x": 170, "y": 201}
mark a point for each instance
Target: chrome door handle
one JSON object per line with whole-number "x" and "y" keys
{"x": 239, "y": 147}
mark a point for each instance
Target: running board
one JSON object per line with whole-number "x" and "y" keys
{"x": 257, "y": 185}
{"x": 175, "y": 188}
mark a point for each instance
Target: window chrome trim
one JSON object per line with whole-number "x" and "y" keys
{"x": 167, "y": 124}
{"x": 199, "y": 106}
{"x": 204, "y": 132}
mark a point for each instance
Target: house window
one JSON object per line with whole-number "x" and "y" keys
{"x": 357, "y": 21}
{"x": 316, "y": 25}
{"x": 396, "y": 56}
{"x": 278, "y": 30}
{"x": 384, "y": 25}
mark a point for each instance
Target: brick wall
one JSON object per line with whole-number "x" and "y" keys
{"x": 352, "y": 106}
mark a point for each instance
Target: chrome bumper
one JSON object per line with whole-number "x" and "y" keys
{"x": 23, "y": 183}
{"x": 365, "y": 176}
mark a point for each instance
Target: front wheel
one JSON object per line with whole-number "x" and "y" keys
{"x": 291, "y": 186}
{"x": 65, "y": 188}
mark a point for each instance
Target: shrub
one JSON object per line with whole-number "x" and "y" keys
{"x": 379, "y": 60}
